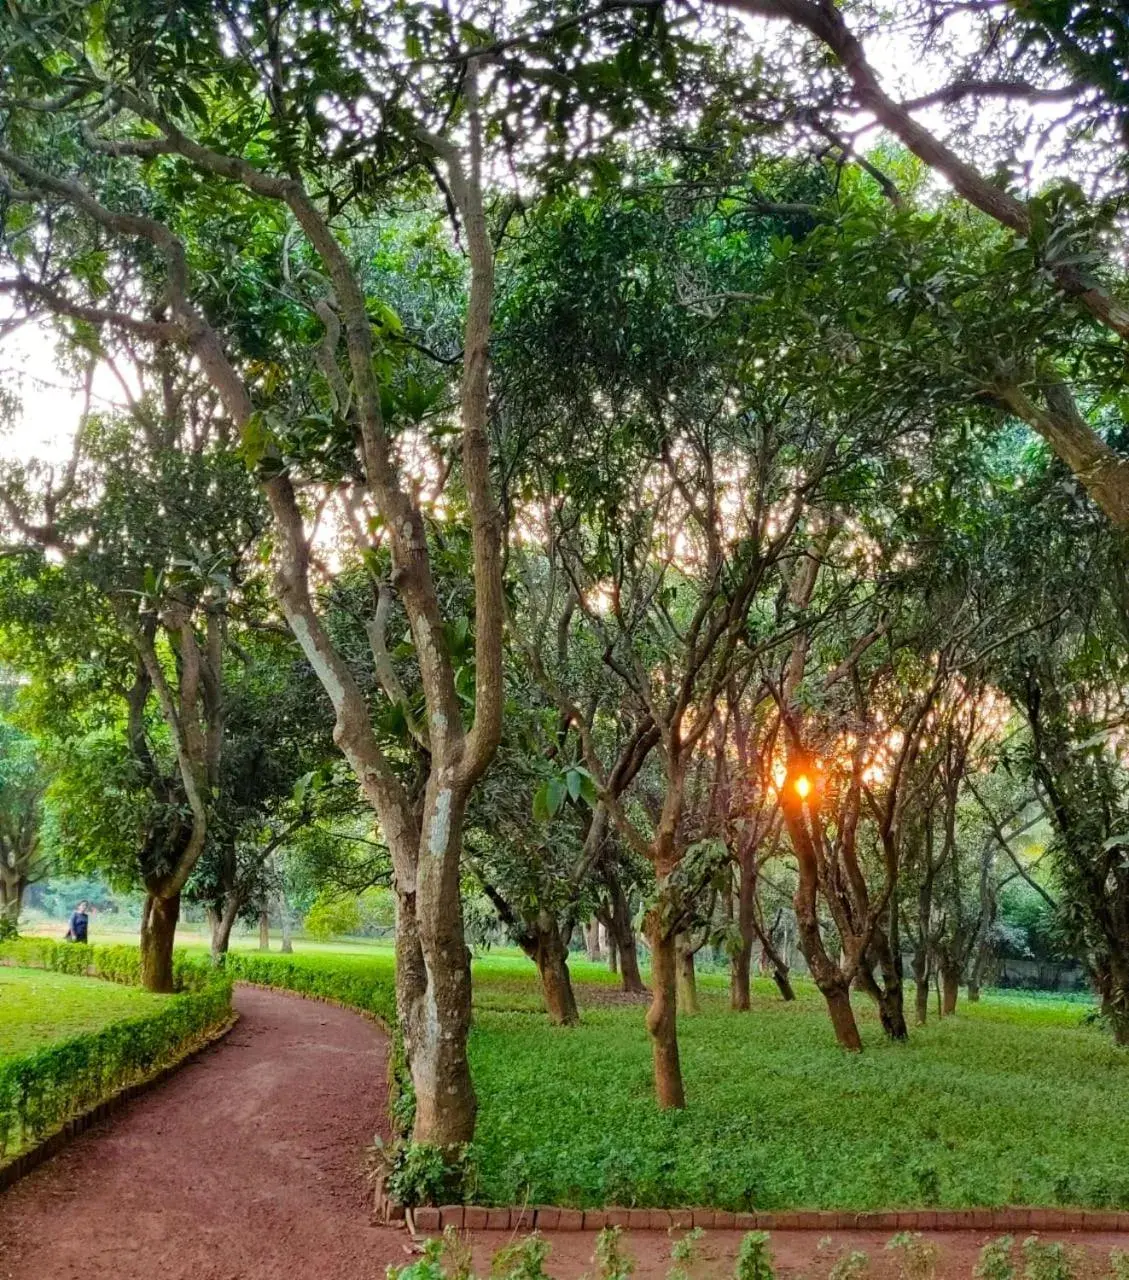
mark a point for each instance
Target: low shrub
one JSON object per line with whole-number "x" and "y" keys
{"x": 42, "y": 1089}
{"x": 367, "y": 983}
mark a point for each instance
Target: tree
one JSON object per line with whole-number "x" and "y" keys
{"x": 22, "y": 784}
{"x": 1063, "y": 235}
{"x": 139, "y": 553}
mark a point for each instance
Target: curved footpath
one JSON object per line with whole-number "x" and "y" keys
{"x": 247, "y": 1165}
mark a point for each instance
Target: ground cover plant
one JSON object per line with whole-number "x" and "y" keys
{"x": 91, "y": 1057}
{"x": 780, "y": 1118}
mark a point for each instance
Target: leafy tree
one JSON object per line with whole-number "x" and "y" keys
{"x": 22, "y": 784}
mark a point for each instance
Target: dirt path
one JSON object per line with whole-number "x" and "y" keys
{"x": 246, "y": 1165}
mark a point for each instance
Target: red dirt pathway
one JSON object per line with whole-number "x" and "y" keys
{"x": 246, "y": 1165}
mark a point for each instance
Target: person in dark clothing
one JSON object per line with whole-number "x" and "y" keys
{"x": 78, "y": 925}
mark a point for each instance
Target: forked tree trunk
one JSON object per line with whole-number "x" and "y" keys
{"x": 222, "y": 925}
{"x": 433, "y": 978}
{"x": 783, "y": 980}
{"x": 158, "y": 933}
{"x": 687, "y": 980}
{"x": 549, "y": 954}
{"x": 891, "y": 991}
{"x": 662, "y": 1018}
{"x": 827, "y": 975}
{"x": 624, "y": 933}
{"x": 264, "y": 930}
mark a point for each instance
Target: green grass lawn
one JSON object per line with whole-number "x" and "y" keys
{"x": 38, "y": 1007}
{"x": 1014, "y": 1101}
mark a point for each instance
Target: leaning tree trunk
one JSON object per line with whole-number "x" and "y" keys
{"x": 826, "y": 974}
{"x": 891, "y": 991}
{"x": 550, "y": 955}
{"x": 158, "y": 933}
{"x": 662, "y": 1018}
{"x": 433, "y": 991}
{"x": 686, "y": 984}
{"x": 222, "y": 924}
{"x": 264, "y": 930}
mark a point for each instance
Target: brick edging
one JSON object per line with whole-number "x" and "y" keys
{"x": 424, "y": 1221}
{"x": 31, "y": 1159}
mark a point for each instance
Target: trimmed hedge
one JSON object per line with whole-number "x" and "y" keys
{"x": 365, "y": 983}
{"x": 40, "y": 1091}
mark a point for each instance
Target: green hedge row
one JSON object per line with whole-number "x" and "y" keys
{"x": 361, "y": 982}
{"x": 41, "y": 1090}
{"x": 120, "y": 963}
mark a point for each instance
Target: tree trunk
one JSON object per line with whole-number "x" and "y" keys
{"x": 891, "y": 991}
{"x": 284, "y": 918}
{"x": 158, "y": 932}
{"x": 783, "y": 980}
{"x": 592, "y": 941}
{"x": 662, "y": 1021}
{"x": 264, "y": 930}
{"x": 826, "y": 974}
{"x": 433, "y": 989}
{"x": 613, "y": 953}
{"x": 950, "y": 988}
{"x": 973, "y": 993}
{"x": 624, "y": 934}
{"x": 739, "y": 976}
{"x": 921, "y": 987}
{"x": 741, "y": 962}
{"x": 222, "y": 925}
{"x": 843, "y": 1018}
{"x": 686, "y": 983}
{"x": 549, "y": 954}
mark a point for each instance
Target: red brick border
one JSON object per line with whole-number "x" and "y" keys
{"x": 426, "y": 1221}
{"x": 31, "y": 1159}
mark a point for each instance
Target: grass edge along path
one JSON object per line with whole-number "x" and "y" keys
{"x": 43, "y": 1090}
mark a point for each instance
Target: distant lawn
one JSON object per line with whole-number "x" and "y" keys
{"x": 37, "y": 1007}
{"x": 1014, "y": 1101}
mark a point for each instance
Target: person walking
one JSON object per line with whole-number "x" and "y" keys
{"x": 79, "y": 923}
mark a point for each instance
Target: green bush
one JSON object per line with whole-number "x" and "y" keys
{"x": 40, "y": 1090}
{"x": 366, "y": 983}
